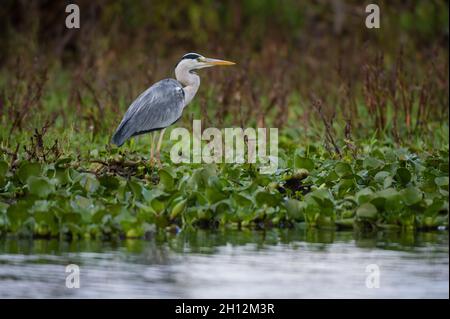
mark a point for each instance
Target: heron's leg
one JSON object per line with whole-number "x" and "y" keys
{"x": 158, "y": 147}
{"x": 152, "y": 146}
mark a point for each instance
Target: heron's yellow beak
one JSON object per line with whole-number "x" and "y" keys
{"x": 218, "y": 62}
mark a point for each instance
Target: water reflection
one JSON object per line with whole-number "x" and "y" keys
{"x": 231, "y": 264}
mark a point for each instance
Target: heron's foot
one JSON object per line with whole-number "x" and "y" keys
{"x": 152, "y": 162}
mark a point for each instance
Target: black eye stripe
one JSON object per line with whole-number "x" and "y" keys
{"x": 191, "y": 56}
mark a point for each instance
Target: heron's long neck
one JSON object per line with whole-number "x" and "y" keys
{"x": 189, "y": 80}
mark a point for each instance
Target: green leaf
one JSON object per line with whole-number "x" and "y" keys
{"x": 435, "y": 207}
{"x": 178, "y": 209}
{"x": 242, "y": 199}
{"x": 367, "y": 211}
{"x": 109, "y": 182}
{"x": 322, "y": 199}
{"x": 40, "y": 186}
{"x": 89, "y": 182}
{"x": 364, "y": 195}
{"x": 18, "y": 212}
{"x": 135, "y": 188}
{"x": 411, "y": 196}
{"x": 388, "y": 182}
{"x": 394, "y": 203}
{"x": 295, "y": 209}
{"x": 3, "y": 169}
{"x": 344, "y": 186}
{"x": 343, "y": 169}
{"x": 98, "y": 216}
{"x": 441, "y": 181}
{"x": 214, "y": 190}
{"x": 62, "y": 175}
{"x": 126, "y": 220}
{"x": 312, "y": 212}
{"x": 325, "y": 221}
{"x": 3, "y": 207}
{"x": 381, "y": 176}
{"x": 200, "y": 198}
{"x": 263, "y": 197}
{"x": 214, "y": 195}
{"x": 303, "y": 162}
{"x": 150, "y": 194}
{"x": 371, "y": 163}
{"x": 332, "y": 176}
{"x": 27, "y": 169}
{"x": 386, "y": 193}
{"x": 157, "y": 205}
{"x": 82, "y": 204}
{"x": 320, "y": 194}
{"x": 403, "y": 175}
{"x": 166, "y": 178}
{"x": 386, "y": 199}
{"x": 222, "y": 207}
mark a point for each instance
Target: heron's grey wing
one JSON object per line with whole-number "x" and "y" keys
{"x": 158, "y": 107}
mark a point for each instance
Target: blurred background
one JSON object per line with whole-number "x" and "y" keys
{"x": 301, "y": 64}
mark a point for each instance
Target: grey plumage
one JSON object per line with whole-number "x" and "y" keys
{"x": 156, "y": 108}
{"x": 162, "y": 104}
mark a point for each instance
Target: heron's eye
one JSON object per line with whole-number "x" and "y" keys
{"x": 199, "y": 59}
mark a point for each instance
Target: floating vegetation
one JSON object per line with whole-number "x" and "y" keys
{"x": 388, "y": 188}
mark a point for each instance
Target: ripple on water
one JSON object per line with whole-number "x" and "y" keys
{"x": 230, "y": 265}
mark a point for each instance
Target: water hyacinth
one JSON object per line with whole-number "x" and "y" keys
{"x": 390, "y": 189}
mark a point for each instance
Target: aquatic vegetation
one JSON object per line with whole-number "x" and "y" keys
{"x": 387, "y": 188}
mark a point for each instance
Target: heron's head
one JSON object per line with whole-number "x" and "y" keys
{"x": 194, "y": 61}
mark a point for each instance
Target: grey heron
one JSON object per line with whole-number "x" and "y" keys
{"x": 162, "y": 104}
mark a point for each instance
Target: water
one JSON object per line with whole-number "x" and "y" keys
{"x": 231, "y": 264}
